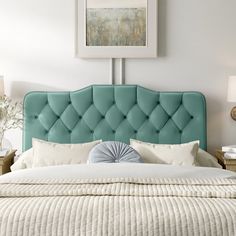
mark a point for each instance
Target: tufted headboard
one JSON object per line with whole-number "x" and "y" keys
{"x": 114, "y": 112}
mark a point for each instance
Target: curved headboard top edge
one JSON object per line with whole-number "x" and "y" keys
{"x": 37, "y": 121}
{"x": 116, "y": 85}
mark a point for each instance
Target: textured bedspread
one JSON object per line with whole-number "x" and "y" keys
{"x": 118, "y": 206}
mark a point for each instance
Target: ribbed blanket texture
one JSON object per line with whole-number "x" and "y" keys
{"x": 118, "y": 206}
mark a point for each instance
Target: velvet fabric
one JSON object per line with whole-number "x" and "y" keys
{"x": 114, "y": 113}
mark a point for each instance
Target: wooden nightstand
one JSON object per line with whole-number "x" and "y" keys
{"x": 228, "y": 164}
{"x": 6, "y": 162}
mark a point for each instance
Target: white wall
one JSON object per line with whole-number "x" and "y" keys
{"x": 197, "y": 51}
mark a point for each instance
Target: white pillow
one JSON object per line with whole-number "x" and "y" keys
{"x": 24, "y": 161}
{"x": 48, "y": 154}
{"x": 176, "y": 154}
{"x": 206, "y": 160}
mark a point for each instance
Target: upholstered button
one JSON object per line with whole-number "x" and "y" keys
{"x": 69, "y": 102}
{"x": 46, "y": 131}
{"x": 103, "y": 117}
{"x": 58, "y": 117}
{"x": 92, "y": 131}
{"x": 70, "y": 131}
{"x": 135, "y": 131}
{"x": 36, "y": 117}
{"x": 147, "y": 117}
{"x": 158, "y": 131}
{"x": 80, "y": 117}
{"x": 125, "y": 117}
{"x": 191, "y": 117}
{"x": 158, "y": 102}
{"x": 113, "y": 131}
{"x": 180, "y": 131}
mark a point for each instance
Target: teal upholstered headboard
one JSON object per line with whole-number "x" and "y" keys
{"x": 117, "y": 112}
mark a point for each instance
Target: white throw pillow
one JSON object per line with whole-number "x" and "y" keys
{"x": 24, "y": 161}
{"x": 206, "y": 160}
{"x": 176, "y": 154}
{"x": 48, "y": 154}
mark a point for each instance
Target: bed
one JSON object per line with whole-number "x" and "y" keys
{"x": 117, "y": 199}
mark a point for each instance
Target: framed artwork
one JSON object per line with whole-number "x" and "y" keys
{"x": 116, "y": 28}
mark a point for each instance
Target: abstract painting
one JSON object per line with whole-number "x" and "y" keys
{"x": 116, "y": 28}
{"x": 116, "y": 22}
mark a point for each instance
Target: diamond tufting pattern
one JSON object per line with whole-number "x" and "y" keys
{"x": 117, "y": 112}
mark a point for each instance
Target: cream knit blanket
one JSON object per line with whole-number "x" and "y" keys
{"x": 118, "y": 206}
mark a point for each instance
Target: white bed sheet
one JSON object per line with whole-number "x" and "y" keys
{"x": 111, "y": 170}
